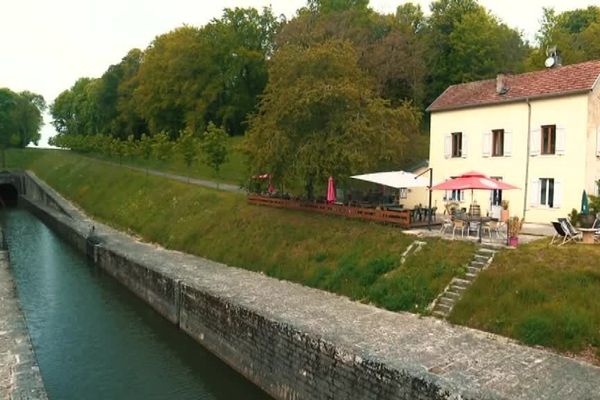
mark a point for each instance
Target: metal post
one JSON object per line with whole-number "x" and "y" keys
{"x": 430, "y": 170}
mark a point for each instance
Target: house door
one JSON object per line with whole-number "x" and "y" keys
{"x": 496, "y": 201}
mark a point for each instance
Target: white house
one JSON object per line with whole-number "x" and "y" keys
{"x": 539, "y": 131}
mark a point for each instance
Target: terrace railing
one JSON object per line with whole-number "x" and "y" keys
{"x": 395, "y": 217}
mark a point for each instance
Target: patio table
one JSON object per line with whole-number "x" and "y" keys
{"x": 587, "y": 235}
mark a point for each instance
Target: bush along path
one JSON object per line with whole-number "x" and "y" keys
{"x": 442, "y": 306}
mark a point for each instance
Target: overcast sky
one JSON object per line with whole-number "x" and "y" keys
{"x": 45, "y": 46}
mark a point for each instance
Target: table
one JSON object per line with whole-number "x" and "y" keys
{"x": 587, "y": 235}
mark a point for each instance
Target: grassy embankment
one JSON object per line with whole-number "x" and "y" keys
{"x": 540, "y": 295}
{"x": 352, "y": 258}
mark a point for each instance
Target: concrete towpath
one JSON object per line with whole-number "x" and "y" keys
{"x": 20, "y": 377}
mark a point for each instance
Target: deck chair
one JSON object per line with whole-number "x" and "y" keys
{"x": 560, "y": 235}
{"x": 460, "y": 225}
{"x": 571, "y": 233}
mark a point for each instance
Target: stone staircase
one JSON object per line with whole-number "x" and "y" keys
{"x": 443, "y": 304}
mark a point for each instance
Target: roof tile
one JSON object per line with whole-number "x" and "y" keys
{"x": 550, "y": 82}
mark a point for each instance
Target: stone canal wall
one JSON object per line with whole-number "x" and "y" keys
{"x": 20, "y": 377}
{"x": 300, "y": 343}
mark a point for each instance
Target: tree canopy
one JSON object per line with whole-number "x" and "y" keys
{"x": 21, "y": 118}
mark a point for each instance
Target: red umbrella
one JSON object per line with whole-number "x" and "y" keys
{"x": 330, "y": 191}
{"x": 473, "y": 180}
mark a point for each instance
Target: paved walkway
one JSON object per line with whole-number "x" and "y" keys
{"x": 20, "y": 377}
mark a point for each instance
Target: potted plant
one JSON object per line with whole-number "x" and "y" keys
{"x": 504, "y": 212}
{"x": 586, "y": 220}
{"x": 514, "y": 227}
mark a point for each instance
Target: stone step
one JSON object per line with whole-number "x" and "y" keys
{"x": 443, "y": 307}
{"x": 482, "y": 258}
{"x": 457, "y": 289}
{"x": 460, "y": 282}
{"x": 446, "y": 301}
{"x": 485, "y": 250}
{"x": 440, "y": 314}
{"x": 473, "y": 270}
{"x": 477, "y": 264}
{"x": 451, "y": 295}
{"x": 471, "y": 276}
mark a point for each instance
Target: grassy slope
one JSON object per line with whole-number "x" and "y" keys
{"x": 353, "y": 258}
{"x": 540, "y": 295}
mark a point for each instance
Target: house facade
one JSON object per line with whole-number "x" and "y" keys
{"x": 539, "y": 131}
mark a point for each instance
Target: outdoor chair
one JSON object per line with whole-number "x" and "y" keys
{"x": 460, "y": 225}
{"x": 474, "y": 226}
{"x": 493, "y": 227}
{"x": 569, "y": 233}
{"x": 446, "y": 225}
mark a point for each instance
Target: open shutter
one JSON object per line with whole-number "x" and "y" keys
{"x": 507, "y": 143}
{"x": 534, "y": 142}
{"x": 598, "y": 142}
{"x": 461, "y": 194}
{"x": 557, "y": 194}
{"x": 486, "y": 140}
{"x": 447, "y": 146}
{"x": 534, "y": 193}
{"x": 465, "y": 146}
{"x": 560, "y": 140}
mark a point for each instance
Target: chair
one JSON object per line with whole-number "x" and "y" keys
{"x": 493, "y": 227}
{"x": 446, "y": 224}
{"x": 559, "y": 233}
{"x": 474, "y": 226}
{"x": 571, "y": 234}
{"x": 459, "y": 224}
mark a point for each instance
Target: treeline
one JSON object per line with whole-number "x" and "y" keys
{"x": 335, "y": 90}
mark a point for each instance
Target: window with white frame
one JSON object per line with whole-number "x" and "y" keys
{"x": 456, "y": 195}
{"x": 403, "y": 193}
{"x": 545, "y": 192}
{"x": 457, "y": 144}
{"x": 497, "y": 143}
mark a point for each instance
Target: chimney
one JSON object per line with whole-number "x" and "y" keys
{"x": 501, "y": 84}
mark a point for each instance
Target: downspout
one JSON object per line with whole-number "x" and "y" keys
{"x": 527, "y": 156}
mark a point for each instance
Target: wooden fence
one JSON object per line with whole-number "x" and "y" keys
{"x": 400, "y": 218}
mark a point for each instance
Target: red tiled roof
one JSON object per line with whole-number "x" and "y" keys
{"x": 569, "y": 79}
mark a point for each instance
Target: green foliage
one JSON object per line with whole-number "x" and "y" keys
{"x": 214, "y": 147}
{"x": 539, "y": 295}
{"x": 162, "y": 147}
{"x": 187, "y": 147}
{"x": 575, "y": 34}
{"x": 348, "y": 257}
{"x": 574, "y": 217}
{"x": 20, "y": 118}
{"x": 320, "y": 117}
{"x": 594, "y": 204}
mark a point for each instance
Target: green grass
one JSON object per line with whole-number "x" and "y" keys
{"x": 540, "y": 295}
{"x": 353, "y": 258}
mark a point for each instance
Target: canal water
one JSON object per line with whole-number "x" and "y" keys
{"x": 94, "y": 339}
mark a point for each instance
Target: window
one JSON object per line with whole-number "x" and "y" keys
{"x": 548, "y": 139}
{"x": 547, "y": 192}
{"x": 403, "y": 193}
{"x": 496, "y": 194}
{"x": 498, "y": 142}
{"x": 457, "y": 144}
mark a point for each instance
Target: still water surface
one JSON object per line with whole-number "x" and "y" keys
{"x": 94, "y": 339}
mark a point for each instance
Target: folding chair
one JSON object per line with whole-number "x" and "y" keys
{"x": 570, "y": 229}
{"x": 559, "y": 233}
{"x": 460, "y": 225}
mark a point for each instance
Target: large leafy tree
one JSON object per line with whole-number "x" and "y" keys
{"x": 320, "y": 116}
{"x": 194, "y": 75}
{"x": 466, "y": 43}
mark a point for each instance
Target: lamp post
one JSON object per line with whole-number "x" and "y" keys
{"x": 430, "y": 170}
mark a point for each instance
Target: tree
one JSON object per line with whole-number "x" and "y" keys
{"x": 466, "y": 43}
{"x": 575, "y": 33}
{"x": 162, "y": 147}
{"x": 214, "y": 147}
{"x": 187, "y": 147}
{"x": 320, "y": 117}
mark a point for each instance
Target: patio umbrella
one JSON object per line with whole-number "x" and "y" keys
{"x": 585, "y": 205}
{"x": 330, "y": 191}
{"x": 473, "y": 180}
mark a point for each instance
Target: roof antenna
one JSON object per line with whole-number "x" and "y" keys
{"x": 553, "y": 59}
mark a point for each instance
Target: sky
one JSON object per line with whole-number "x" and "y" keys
{"x": 45, "y": 46}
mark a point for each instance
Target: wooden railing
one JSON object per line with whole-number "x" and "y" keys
{"x": 401, "y": 218}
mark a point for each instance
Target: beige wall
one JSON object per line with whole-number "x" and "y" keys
{"x": 417, "y": 196}
{"x": 593, "y": 161}
{"x": 568, "y": 113}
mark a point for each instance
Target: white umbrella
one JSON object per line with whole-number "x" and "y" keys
{"x": 394, "y": 179}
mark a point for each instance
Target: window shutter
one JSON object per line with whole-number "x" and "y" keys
{"x": 507, "y": 143}
{"x": 534, "y": 142}
{"x": 534, "y": 193}
{"x": 465, "y": 146}
{"x": 598, "y": 142}
{"x": 560, "y": 140}
{"x": 557, "y": 194}
{"x": 461, "y": 194}
{"x": 486, "y": 143}
{"x": 448, "y": 146}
